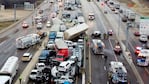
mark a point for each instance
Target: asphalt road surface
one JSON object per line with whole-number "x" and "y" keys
{"x": 96, "y": 66}
{"x": 99, "y": 66}
{"x": 7, "y": 45}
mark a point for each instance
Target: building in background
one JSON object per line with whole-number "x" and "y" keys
{"x": 20, "y": 3}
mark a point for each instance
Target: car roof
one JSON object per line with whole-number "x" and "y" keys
{"x": 40, "y": 64}
{"x": 97, "y": 31}
{"x": 34, "y": 70}
{"x": 91, "y": 13}
{"x": 26, "y": 54}
{"x": 66, "y": 63}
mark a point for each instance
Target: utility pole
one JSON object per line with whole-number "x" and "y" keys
{"x": 128, "y": 25}
{"x": 14, "y": 12}
{"x": 119, "y": 25}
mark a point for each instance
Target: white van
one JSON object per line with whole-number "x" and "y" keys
{"x": 60, "y": 35}
{"x": 81, "y": 20}
{"x": 65, "y": 66}
{"x": 62, "y": 28}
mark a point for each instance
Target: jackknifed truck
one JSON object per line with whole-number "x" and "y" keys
{"x": 75, "y": 31}
{"x": 27, "y": 41}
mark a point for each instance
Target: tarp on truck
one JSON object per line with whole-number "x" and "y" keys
{"x": 75, "y": 31}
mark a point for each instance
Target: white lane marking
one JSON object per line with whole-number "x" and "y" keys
{"x": 113, "y": 51}
{"x": 107, "y": 82}
{"x": 2, "y": 42}
{"x": 105, "y": 68}
{"x": 147, "y": 71}
{"x": 90, "y": 65}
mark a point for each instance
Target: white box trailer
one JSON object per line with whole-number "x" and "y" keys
{"x": 75, "y": 31}
{"x": 55, "y": 27}
{"x": 27, "y": 41}
{"x": 9, "y": 70}
{"x": 60, "y": 44}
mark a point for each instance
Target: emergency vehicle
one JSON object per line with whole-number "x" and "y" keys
{"x": 143, "y": 57}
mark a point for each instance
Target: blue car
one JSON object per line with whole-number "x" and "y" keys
{"x": 52, "y": 35}
{"x": 44, "y": 55}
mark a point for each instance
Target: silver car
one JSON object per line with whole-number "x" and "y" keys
{"x": 143, "y": 38}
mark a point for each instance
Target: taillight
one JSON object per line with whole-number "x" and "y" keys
{"x": 137, "y": 51}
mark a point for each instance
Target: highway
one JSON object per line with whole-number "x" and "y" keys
{"x": 96, "y": 66}
{"x": 7, "y": 39}
{"x": 133, "y": 42}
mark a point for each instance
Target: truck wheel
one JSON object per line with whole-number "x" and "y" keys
{"x": 28, "y": 45}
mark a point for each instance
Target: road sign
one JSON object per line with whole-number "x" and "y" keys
{"x": 144, "y": 25}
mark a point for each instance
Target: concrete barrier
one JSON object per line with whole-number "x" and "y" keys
{"x": 25, "y": 73}
{"x": 83, "y": 78}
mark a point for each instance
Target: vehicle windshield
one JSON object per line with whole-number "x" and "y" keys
{"x": 41, "y": 65}
{"x": 34, "y": 73}
{"x": 59, "y": 56}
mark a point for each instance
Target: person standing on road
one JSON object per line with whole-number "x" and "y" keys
{"x": 105, "y": 57}
{"x": 20, "y": 79}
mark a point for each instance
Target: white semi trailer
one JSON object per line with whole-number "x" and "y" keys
{"x": 27, "y": 41}
{"x": 75, "y": 31}
{"x": 9, "y": 70}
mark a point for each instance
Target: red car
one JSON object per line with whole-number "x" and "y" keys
{"x": 117, "y": 49}
{"x": 25, "y": 25}
{"x": 110, "y": 32}
{"x": 136, "y": 33}
{"x": 137, "y": 50}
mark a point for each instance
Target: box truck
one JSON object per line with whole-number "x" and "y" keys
{"x": 62, "y": 49}
{"x": 9, "y": 70}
